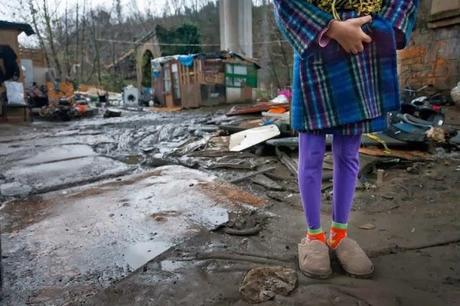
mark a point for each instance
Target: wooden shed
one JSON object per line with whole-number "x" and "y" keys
{"x": 191, "y": 81}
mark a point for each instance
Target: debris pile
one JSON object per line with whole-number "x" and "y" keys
{"x": 248, "y": 142}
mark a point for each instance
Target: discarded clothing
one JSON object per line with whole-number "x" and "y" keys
{"x": 350, "y": 94}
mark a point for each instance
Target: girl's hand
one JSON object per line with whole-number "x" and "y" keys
{"x": 349, "y": 34}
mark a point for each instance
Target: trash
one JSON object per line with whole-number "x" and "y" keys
{"x": 376, "y": 138}
{"x": 266, "y": 182}
{"x": 455, "y": 140}
{"x": 380, "y": 175}
{"x": 218, "y": 144}
{"x": 240, "y": 179}
{"x": 290, "y": 142}
{"x": 413, "y": 170}
{"x": 366, "y": 140}
{"x": 388, "y": 197}
{"x": 248, "y": 138}
{"x": 287, "y": 161}
{"x": 255, "y": 109}
{"x": 243, "y": 232}
{"x": 280, "y": 99}
{"x": 455, "y": 94}
{"x": 368, "y": 227}
{"x": 15, "y": 93}
{"x": 245, "y": 164}
{"x": 112, "y": 113}
{"x": 436, "y": 135}
{"x": 130, "y": 96}
{"x": 280, "y": 116}
{"x": 263, "y": 284}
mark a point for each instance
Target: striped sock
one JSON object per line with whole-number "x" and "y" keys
{"x": 316, "y": 234}
{"x": 337, "y": 233}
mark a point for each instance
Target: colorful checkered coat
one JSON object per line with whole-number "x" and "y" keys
{"x": 335, "y": 92}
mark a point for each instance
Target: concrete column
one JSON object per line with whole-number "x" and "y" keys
{"x": 236, "y": 26}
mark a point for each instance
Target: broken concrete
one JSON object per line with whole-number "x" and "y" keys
{"x": 109, "y": 229}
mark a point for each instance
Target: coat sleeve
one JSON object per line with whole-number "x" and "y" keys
{"x": 402, "y": 15}
{"x": 301, "y": 22}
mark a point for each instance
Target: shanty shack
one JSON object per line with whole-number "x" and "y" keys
{"x": 191, "y": 81}
{"x": 10, "y": 67}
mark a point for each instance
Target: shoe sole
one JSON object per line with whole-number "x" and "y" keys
{"x": 360, "y": 276}
{"x": 316, "y": 276}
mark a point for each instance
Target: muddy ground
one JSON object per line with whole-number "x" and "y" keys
{"x": 139, "y": 210}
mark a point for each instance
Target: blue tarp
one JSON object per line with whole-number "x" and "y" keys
{"x": 186, "y": 60}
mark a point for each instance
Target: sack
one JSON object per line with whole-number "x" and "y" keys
{"x": 455, "y": 93}
{"x": 15, "y": 93}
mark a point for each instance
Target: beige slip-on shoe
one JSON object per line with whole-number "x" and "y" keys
{"x": 314, "y": 260}
{"x": 353, "y": 259}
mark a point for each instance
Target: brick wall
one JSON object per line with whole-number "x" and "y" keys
{"x": 433, "y": 55}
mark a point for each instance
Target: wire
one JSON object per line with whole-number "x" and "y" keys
{"x": 182, "y": 45}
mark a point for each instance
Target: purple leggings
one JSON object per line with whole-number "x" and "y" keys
{"x": 345, "y": 150}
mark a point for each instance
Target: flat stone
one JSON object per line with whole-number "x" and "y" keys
{"x": 15, "y": 189}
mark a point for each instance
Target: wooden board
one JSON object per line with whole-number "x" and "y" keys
{"x": 407, "y": 155}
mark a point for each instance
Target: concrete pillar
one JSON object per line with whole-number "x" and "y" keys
{"x": 236, "y": 26}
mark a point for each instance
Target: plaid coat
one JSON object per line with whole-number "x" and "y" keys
{"x": 335, "y": 92}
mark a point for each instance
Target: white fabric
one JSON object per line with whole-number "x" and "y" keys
{"x": 15, "y": 93}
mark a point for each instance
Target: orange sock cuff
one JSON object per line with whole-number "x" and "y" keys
{"x": 335, "y": 237}
{"x": 319, "y": 236}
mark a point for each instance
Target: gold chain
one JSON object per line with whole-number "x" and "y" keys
{"x": 363, "y": 7}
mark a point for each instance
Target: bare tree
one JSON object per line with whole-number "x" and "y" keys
{"x": 50, "y": 34}
{"x": 33, "y": 14}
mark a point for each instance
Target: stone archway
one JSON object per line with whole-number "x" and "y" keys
{"x": 149, "y": 47}
{"x": 146, "y": 80}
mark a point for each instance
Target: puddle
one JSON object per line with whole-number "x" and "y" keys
{"x": 18, "y": 214}
{"x": 132, "y": 159}
{"x": 141, "y": 253}
{"x": 172, "y": 265}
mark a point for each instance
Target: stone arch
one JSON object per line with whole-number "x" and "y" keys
{"x": 149, "y": 47}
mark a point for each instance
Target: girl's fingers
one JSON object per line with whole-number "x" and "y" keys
{"x": 361, "y": 20}
{"x": 366, "y": 38}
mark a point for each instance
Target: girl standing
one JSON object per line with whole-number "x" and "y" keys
{"x": 345, "y": 82}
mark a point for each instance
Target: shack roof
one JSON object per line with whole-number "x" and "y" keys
{"x": 225, "y": 56}
{"x": 22, "y": 27}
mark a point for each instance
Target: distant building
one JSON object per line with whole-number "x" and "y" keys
{"x": 10, "y": 66}
{"x": 190, "y": 81}
{"x": 34, "y": 65}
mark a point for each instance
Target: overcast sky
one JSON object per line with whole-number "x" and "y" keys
{"x": 13, "y": 10}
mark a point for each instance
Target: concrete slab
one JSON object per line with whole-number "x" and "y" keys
{"x": 101, "y": 232}
{"x": 50, "y": 176}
